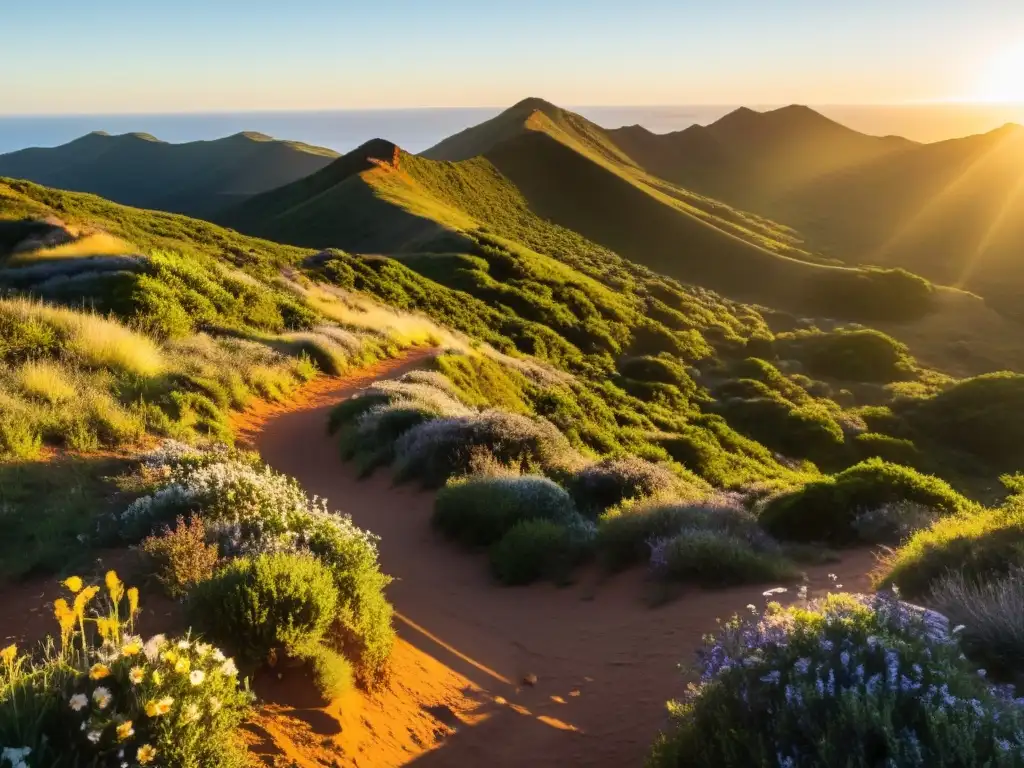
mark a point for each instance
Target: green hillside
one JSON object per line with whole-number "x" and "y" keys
{"x": 198, "y": 177}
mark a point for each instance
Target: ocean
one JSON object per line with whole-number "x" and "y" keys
{"x": 418, "y": 129}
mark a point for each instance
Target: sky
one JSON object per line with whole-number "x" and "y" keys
{"x": 132, "y": 56}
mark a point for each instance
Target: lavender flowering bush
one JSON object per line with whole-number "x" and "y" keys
{"x": 608, "y": 482}
{"x": 847, "y": 681}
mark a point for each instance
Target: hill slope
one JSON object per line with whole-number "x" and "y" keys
{"x": 198, "y": 177}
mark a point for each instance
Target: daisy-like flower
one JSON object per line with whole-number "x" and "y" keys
{"x": 182, "y": 665}
{"x": 202, "y": 649}
{"x": 152, "y": 647}
{"x": 190, "y": 713}
{"x": 74, "y": 583}
{"x": 94, "y": 736}
{"x": 99, "y": 671}
{"x": 164, "y": 705}
{"x": 125, "y": 731}
{"x": 78, "y": 702}
{"x": 218, "y": 655}
{"x": 214, "y": 705}
{"x": 102, "y": 697}
{"x": 184, "y": 645}
{"x": 229, "y": 668}
{"x": 151, "y": 708}
{"x": 136, "y": 675}
{"x": 169, "y": 656}
{"x": 132, "y": 646}
{"x": 146, "y": 754}
{"x": 196, "y": 677}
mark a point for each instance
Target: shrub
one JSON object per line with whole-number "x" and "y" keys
{"x": 625, "y": 534}
{"x": 530, "y": 550}
{"x": 870, "y": 294}
{"x": 608, "y": 482}
{"x": 992, "y": 615}
{"x": 439, "y": 449}
{"x": 801, "y": 431}
{"x": 980, "y": 546}
{"x": 332, "y": 672}
{"x": 715, "y": 558}
{"x": 824, "y": 510}
{"x": 861, "y": 355}
{"x": 846, "y": 681}
{"x": 264, "y": 603}
{"x": 892, "y": 523}
{"x": 663, "y": 370}
{"x": 180, "y": 557}
{"x": 480, "y": 510}
{"x": 100, "y": 696}
{"x": 895, "y": 449}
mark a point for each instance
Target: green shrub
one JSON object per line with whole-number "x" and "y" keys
{"x": 870, "y": 294}
{"x": 980, "y": 546}
{"x": 895, "y": 449}
{"x": 480, "y": 510}
{"x": 332, "y": 672}
{"x": 806, "y": 431}
{"x": 663, "y": 370}
{"x": 862, "y": 355}
{"x": 265, "y": 603}
{"x": 824, "y": 510}
{"x": 180, "y": 556}
{"x": 608, "y": 482}
{"x": 842, "y": 682}
{"x": 716, "y": 558}
{"x": 531, "y": 550}
{"x": 625, "y": 534}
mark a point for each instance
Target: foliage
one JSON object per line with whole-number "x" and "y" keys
{"x": 533, "y": 549}
{"x": 332, "y": 672}
{"x": 850, "y": 355}
{"x": 825, "y": 510}
{"x": 871, "y": 294}
{"x": 601, "y": 485}
{"x": 847, "y": 681}
{"x": 715, "y": 558}
{"x": 267, "y": 603}
{"x": 101, "y": 696}
{"x": 180, "y": 556}
{"x": 480, "y": 510}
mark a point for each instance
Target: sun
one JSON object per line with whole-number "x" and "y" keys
{"x": 1003, "y": 78}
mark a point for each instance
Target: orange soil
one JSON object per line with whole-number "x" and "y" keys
{"x": 538, "y": 676}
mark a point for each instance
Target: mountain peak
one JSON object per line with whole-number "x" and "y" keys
{"x": 534, "y": 104}
{"x": 252, "y": 136}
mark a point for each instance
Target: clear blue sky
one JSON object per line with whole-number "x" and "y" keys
{"x": 73, "y": 56}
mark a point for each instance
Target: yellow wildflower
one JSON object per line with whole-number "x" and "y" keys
{"x": 169, "y": 656}
{"x": 99, "y": 671}
{"x": 136, "y": 675}
{"x": 164, "y": 705}
{"x": 82, "y": 599}
{"x": 125, "y": 730}
{"x": 65, "y": 616}
{"x": 114, "y": 586}
{"x": 133, "y": 600}
{"x": 9, "y": 654}
{"x": 132, "y": 648}
{"x": 146, "y": 754}
{"x": 151, "y": 708}
{"x": 182, "y": 665}
{"x": 74, "y": 583}
{"x": 157, "y": 678}
{"x": 107, "y": 627}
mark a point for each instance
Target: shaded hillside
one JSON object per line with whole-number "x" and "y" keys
{"x": 749, "y": 158}
{"x": 198, "y": 177}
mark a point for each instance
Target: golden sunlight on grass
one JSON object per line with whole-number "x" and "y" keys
{"x": 95, "y": 244}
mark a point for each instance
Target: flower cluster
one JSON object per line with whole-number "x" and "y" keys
{"x": 846, "y": 680}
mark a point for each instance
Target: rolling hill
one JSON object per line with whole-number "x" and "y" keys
{"x": 197, "y": 178}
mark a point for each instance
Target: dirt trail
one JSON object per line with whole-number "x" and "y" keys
{"x": 601, "y": 661}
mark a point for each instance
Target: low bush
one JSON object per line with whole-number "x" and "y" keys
{"x": 870, "y": 294}
{"x": 825, "y": 510}
{"x": 895, "y": 449}
{"x": 531, "y": 550}
{"x": 332, "y": 673}
{"x": 860, "y": 355}
{"x": 608, "y": 482}
{"x": 274, "y": 602}
{"x": 806, "y": 431}
{"x": 626, "y": 534}
{"x": 180, "y": 557}
{"x": 100, "y": 696}
{"x": 439, "y": 449}
{"x": 480, "y": 510}
{"x": 892, "y": 523}
{"x": 847, "y": 681}
{"x": 716, "y": 558}
{"x": 992, "y": 616}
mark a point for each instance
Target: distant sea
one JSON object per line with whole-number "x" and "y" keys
{"x": 418, "y": 129}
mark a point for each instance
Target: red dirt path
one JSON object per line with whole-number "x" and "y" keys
{"x": 604, "y": 661}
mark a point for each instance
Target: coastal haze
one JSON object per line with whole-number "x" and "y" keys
{"x": 418, "y": 129}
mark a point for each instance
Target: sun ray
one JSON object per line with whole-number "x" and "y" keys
{"x": 1008, "y": 206}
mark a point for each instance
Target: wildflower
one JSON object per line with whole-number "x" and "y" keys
{"x": 197, "y": 677}
{"x": 169, "y": 656}
{"x": 958, "y": 629}
{"x": 775, "y": 591}
{"x": 16, "y": 756}
{"x": 751, "y": 607}
{"x": 136, "y": 675}
{"x": 214, "y": 705}
{"x": 157, "y": 677}
{"x": 229, "y": 668}
{"x": 102, "y": 697}
{"x": 152, "y": 710}
{"x": 74, "y": 583}
{"x": 94, "y": 736}
{"x": 133, "y": 600}
{"x": 184, "y": 645}
{"x": 182, "y": 665}
{"x": 99, "y": 671}
{"x": 218, "y": 655}
{"x": 78, "y": 702}
{"x": 982, "y": 673}
{"x": 164, "y": 705}
{"x": 772, "y": 677}
{"x": 146, "y": 754}
{"x": 125, "y": 730}
{"x": 190, "y": 713}
{"x": 152, "y": 647}
{"x": 83, "y": 598}
{"x": 202, "y": 649}
{"x": 64, "y": 615}
{"x": 114, "y": 586}
{"x": 132, "y": 646}
{"x": 107, "y": 626}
